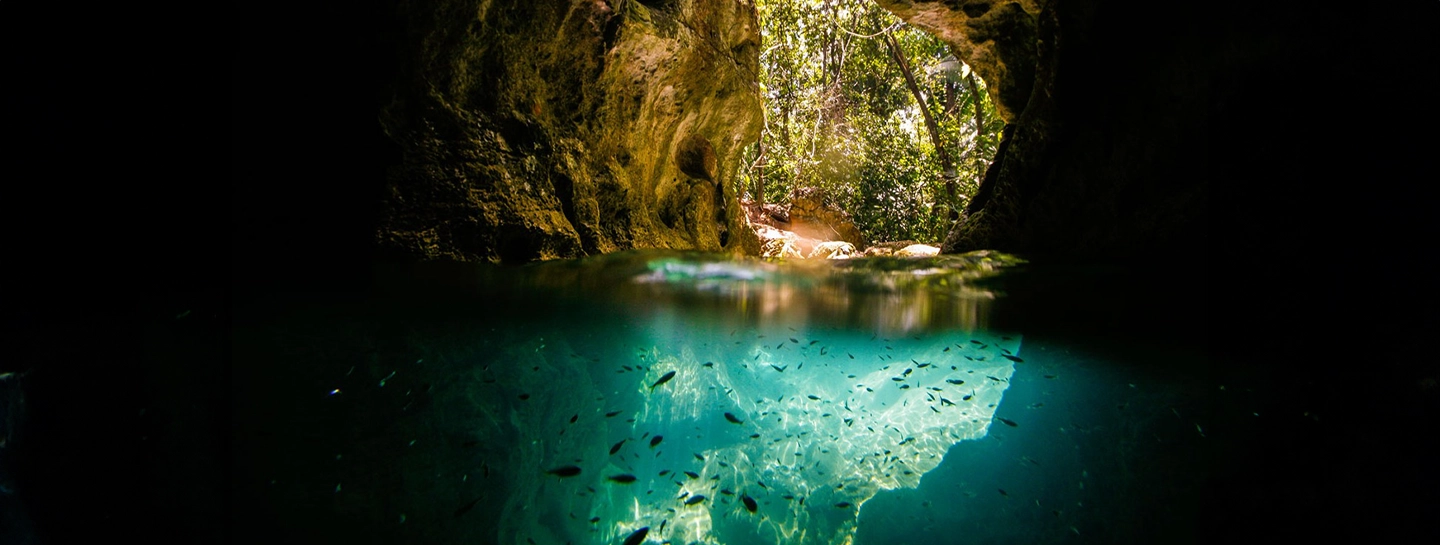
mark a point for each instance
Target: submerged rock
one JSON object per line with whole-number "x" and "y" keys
{"x": 535, "y": 130}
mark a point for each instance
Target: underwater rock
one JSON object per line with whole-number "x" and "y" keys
{"x": 537, "y": 130}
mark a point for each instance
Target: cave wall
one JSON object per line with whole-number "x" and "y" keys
{"x": 1171, "y": 130}
{"x": 536, "y": 130}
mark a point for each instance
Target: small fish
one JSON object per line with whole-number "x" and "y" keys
{"x": 623, "y": 478}
{"x": 656, "y": 440}
{"x": 664, "y": 472}
{"x": 708, "y": 364}
{"x": 778, "y": 368}
{"x": 466, "y": 508}
{"x": 565, "y": 471}
{"x": 967, "y": 397}
{"x": 779, "y": 346}
{"x": 594, "y": 520}
{"x": 1012, "y": 358}
{"x": 1003, "y": 492}
{"x": 955, "y": 381}
{"x": 574, "y": 418}
{"x": 733, "y": 419}
{"x": 523, "y": 397}
{"x": 727, "y": 492}
{"x": 792, "y": 339}
{"x": 692, "y": 474}
{"x": 814, "y": 397}
{"x": 663, "y": 379}
{"x": 616, "y": 447}
{"x": 843, "y": 505}
{"x": 611, "y": 414}
{"x": 852, "y": 356}
{"x": 749, "y": 503}
{"x": 699, "y": 457}
{"x": 695, "y": 499}
{"x": 1008, "y": 422}
{"x": 637, "y": 537}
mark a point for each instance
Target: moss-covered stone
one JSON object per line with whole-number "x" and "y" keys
{"x": 537, "y": 130}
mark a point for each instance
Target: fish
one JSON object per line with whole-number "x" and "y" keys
{"x": 1012, "y": 358}
{"x": 699, "y": 457}
{"x": 813, "y": 343}
{"x": 1049, "y": 376}
{"x": 692, "y": 474}
{"x": 907, "y": 372}
{"x": 708, "y": 364}
{"x": 637, "y": 537}
{"x": 564, "y": 471}
{"x": 967, "y": 397}
{"x": 973, "y": 341}
{"x": 574, "y": 418}
{"x": 754, "y": 436}
{"x": 623, "y": 478}
{"x": 779, "y": 346}
{"x": 662, "y": 525}
{"x": 611, "y": 414}
{"x": 466, "y": 508}
{"x": 778, "y": 368}
{"x": 955, "y": 381}
{"x": 664, "y": 472}
{"x": 594, "y": 520}
{"x": 695, "y": 499}
{"x": 944, "y": 402}
{"x": 897, "y": 379}
{"x": 1003, "y": 492}
{"x": 523, "y": 397}
{"x": 814, "y": 397}
{"x": 1008, "y": 422}
{"x": 616, "y": 447}
{"x": 852, "y": 356}
{"x": 663, "y": 379}
{"x": 843, "y": 505}
{"x": 733, "y": 419}
{"x": 656, "y": 440}
{"x": 749, "y": 503}
{"x": 792, "y": 339}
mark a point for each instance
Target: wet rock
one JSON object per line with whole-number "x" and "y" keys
{"x": 536, "y": 130}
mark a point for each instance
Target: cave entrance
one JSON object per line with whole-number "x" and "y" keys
{"x": 879, "y": 118}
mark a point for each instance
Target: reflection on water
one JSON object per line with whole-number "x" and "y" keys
{"x": 889, "y": 295}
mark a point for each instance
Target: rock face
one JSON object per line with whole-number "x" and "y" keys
{"x": 1139, "y": 130}
{"x": 535, "y": 130}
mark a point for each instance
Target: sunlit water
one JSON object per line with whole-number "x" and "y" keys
{"x": 868, "y": 401}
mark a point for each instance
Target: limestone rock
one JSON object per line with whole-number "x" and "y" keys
{"x": 813, "y": 216}
{"x": 918, "y": 250}
{"x": 833, "y": 249}
{"x": 534, "y": 130}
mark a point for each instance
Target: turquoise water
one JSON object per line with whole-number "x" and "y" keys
{"x": 867, "y": 402}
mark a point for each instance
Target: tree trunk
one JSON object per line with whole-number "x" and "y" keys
{"x": 947, "y": 166}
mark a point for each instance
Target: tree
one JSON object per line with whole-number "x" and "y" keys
{"x": 887, "y": 122}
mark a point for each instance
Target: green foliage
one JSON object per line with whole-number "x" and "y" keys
{"x": 839, "y": 116}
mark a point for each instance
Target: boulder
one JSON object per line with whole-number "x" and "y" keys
{"x": 833, "y": 249}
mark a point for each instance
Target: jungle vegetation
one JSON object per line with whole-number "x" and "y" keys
{"x": 878, "y": 114}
